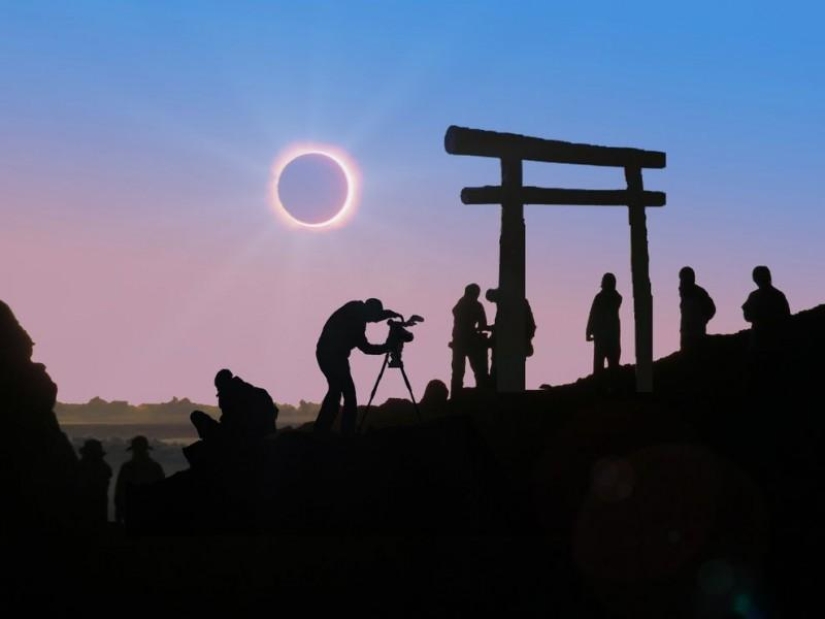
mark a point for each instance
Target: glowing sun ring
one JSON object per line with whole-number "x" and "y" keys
{"x": 341, "y": 159}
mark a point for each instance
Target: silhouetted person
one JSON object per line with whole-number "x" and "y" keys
{"x": 247, "y": 411}
{"x": 434, "y": 400}
{"x": 345, "y": 330}
{"x": 492, "y": 295}
{"x": 248, "y": 415}
{"x": 768, "y": 312}
{"x": 469, "y": 343}
{"x": 140, "y": 470}
{"x": 696, "y": 307}
{"x": 94, "y": 474}
{"x": 604, "y": 326}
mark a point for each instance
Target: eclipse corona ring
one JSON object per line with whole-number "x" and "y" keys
{"x": 314, "y": 186}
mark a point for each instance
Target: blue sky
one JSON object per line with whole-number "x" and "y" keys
{"x": 140, "y": 249}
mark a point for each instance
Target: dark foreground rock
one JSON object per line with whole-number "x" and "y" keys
{"x": 588, "y": 500}
{"x": 436, "y": 478}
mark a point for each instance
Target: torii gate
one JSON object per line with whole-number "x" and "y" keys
{"x": 513, "y": 149}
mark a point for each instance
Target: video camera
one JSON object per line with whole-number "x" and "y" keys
{"x": 398, "y": 336}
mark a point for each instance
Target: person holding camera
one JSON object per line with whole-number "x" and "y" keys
{"x": 345, "y": 330}
{"x": 469, "y": 340}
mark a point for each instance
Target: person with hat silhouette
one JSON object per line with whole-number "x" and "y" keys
{"x": 140, "y": 470}
{"x": 93, "y": 476}
{"x": 345, "y": 330}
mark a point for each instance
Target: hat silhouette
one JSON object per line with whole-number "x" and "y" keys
{"x": 92, "y": 447}
{"x": 139, "y": 443}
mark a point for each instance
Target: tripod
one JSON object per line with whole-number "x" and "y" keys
{"x": 397, "y": 363}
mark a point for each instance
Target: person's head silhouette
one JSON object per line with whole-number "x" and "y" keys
{"x": 374, "y": 310}
{"x": 492, "y": 295}
{"x": 139, "y": 445}
{"x": 223, "y": 379}
{"x": 436, "y": 392}
{"x": 762, "y": 276}
{"x": 472, "y": 291}
{"x": 687, "y": 277}
{"x": 92, "y": 449}
{"x": 608, "y": 281}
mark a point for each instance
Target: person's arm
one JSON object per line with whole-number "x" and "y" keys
{"x": 388, "y": 313}
{"x": 531, "y": 321}
{"x": 711, "y": 306}
{"x": 372, "y": 349}
{"x": 482, "y": 318}
{"x": 747, "y": 308}
{"x": 369, "y": 348}
{"x": 591, "y": 320}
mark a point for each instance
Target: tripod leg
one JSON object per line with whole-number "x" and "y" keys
{"x": 412, "y": 397}
{"x": 374, "y": 389}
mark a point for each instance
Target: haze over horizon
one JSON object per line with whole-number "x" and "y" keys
{"x": 140, "y": 250}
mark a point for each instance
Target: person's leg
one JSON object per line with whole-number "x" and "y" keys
{"x": 613, "y": 355}
{"x": 458, "y": 365}
{"x": 478, "y": 363}
{"x": 332, "y": 400}
{"x": 598, "y": 358}
{"x": 205, "y": 426}
{"x": 350, "y": 412}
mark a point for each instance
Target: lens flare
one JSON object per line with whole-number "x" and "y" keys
{"x": 341, "y": 159}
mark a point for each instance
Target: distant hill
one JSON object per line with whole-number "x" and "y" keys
{"x": 176, "y": 412}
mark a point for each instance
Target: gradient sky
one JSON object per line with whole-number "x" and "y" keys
{"x": 139, "y": 249}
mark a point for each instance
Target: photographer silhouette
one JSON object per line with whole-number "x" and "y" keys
{"x": 345, "y": 330}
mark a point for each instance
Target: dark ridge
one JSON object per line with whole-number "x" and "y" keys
{"x": 583, "y": 500}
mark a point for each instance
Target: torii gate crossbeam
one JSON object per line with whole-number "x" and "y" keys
{"x": 512, "y": 150}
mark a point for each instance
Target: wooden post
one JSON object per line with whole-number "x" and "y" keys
{"x": 510, "y": 348}
{"x": 642, "y": 296}
{"x": 512, "y": 150}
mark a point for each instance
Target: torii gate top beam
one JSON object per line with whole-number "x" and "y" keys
{"x": 512, "y": 150}
{"x": 481, "y": 143}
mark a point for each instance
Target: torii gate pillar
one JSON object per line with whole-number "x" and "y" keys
{"x": 510, "y": 343}
{"x": 512, "y": 150}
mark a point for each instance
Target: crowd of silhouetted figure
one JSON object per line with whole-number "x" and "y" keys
{"x": 474, "y": 340}
{"x": 249, "y": 414}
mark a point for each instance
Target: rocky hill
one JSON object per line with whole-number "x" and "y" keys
{"x": 585, "y": 500}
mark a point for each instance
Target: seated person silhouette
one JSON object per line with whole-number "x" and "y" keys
{"x": 248, "y": 413}
{"x": 345, "y": 330}
{"x": 768, "y": 312}
{"x": 767, "y": 309}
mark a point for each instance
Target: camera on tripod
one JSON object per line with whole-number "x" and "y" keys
{"x": 398, "y": 336}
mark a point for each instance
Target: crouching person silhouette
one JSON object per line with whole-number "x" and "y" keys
{"x": 345, "y": 330}
{"x": 248, "y": 414}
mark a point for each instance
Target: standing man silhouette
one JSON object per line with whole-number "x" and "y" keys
{"x": 469, "y": 342}
{"x": 604, "y": 326}
{"x": 696, "y": 307}
{"x": 138, "y": 471}
{"x": 94, "y": 474}
{"x": 345, "y": 330}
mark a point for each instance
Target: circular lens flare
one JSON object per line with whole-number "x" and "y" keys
{"x": 341, "y": 159}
